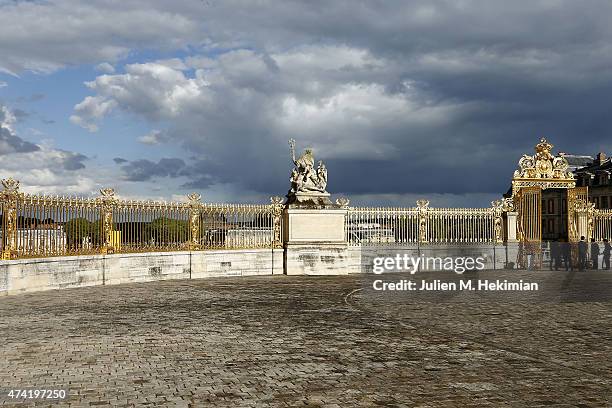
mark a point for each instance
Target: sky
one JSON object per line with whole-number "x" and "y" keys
{"x": 401, "y": 99}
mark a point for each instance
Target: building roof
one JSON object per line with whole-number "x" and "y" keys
{"x": 576, "y": 161}
{"x": 600, "y": 163}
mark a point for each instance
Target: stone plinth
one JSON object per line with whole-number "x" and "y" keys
{"x": 319, "y": 259}
{"x": 315, "y": 242}
{"x": 303, "y": 226}
{"x": 511, "y": 223}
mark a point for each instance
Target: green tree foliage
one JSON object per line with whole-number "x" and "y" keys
{"x": 165, "y": 230}
{"x": 77, "y": 229}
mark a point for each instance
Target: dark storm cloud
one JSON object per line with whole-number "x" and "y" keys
{"x": 200, "y": 182}
{"x": 142, "y": 170}
{"x": 73, "y": 161}
{"x": 397, "y": 97}
{"x": 10, "y": 143}
{"x": 197, "y": 171}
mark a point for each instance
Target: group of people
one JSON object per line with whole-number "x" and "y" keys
{"x": 561, "y": 255}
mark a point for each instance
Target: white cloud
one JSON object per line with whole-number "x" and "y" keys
{"x": 156, "y": 90}
{"x": 90, "y": 110}
{"x": 154, "y": 137}
{"x": 7, "y": 119}
{"x": 105, "y": 67}
{"x": 39, "y": 167}
{"x": 3, "y": 84}
{"x": 260, "y": 92}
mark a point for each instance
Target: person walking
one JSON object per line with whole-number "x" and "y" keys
{"x": 606, "y": 254}
{"x": 594, "y": 254}
{"x": 582, "y": 253}
{"x": 555, "y": 255}
{"x": 566, "y": 251}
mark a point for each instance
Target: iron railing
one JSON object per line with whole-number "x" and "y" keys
{"x": 380, "y": 225}
{"x": 422, "y": 224}
{"x": 42, "y": 226}
{"x": 461, "y": 225}
{"x": 602, "y": 224}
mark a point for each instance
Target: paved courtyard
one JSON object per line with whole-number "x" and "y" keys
{"x": 312, "y": 342}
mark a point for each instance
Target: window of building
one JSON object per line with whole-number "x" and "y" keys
{"x": 596, "y": 200}
{"x": 551, "y": 226}
{"x": 544, "y": 207}
{"x": 551, "y": 206}
{"x": 604, "y": 202}
{"x": 564, "y": 206}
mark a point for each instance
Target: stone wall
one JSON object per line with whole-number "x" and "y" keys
{"x": 29, "y": 275}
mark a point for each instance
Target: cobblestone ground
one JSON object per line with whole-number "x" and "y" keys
{"x": 311, "y": 341}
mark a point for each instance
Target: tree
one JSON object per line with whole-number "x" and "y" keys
{"x": 79, "y": 230}
{"x": 165, "y": 231}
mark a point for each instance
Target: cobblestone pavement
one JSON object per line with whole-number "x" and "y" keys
{"x": 311, "y": 341}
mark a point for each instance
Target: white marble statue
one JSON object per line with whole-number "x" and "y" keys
{"x": 304, "y": 177}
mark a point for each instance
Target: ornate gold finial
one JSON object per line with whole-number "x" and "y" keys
{"x": 422, "y": 204}
{"x": 543, "y": 169}
{"x": 10, "y": 185}
{"x": 543, "y": 149}
{"x": 107, "y": 192}
{"x": 505, "y": 204}
{"x": 343, "y": 202}
{"x": 194, "y": 198}
{"x": 276, "y": 200}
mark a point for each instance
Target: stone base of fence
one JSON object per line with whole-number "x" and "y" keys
{"x": 30, "y": 275}
{"x": 322, "y": 258}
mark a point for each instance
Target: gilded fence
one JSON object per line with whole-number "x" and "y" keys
{"x": 42, "y": 226}
{"x": 425, "y": 225}
{"x": 382, "y": 225}
{"x": 602, "y": 224}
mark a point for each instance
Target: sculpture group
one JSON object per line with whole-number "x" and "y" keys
{"x": 308, "y": 184}
{"x": 304, "y": 178}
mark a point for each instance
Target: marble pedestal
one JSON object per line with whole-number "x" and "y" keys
{"x": 315, "y": 242}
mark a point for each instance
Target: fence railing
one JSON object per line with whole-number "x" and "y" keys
{"x": 382, "y": 225}
{"x": 42, "y": 225}
{"x": 461, "y": 226}
{"x": 602, "y": 224}
{"x": 422, "y": 224}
